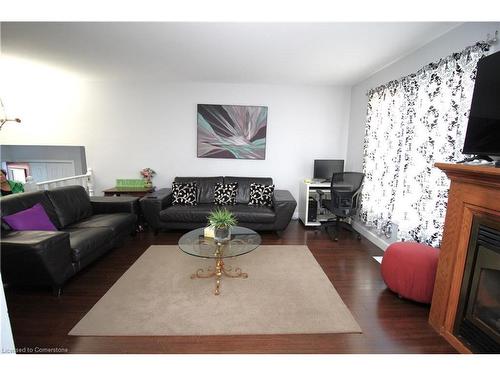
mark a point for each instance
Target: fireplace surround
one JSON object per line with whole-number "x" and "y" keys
{"x": 462, "y": 308}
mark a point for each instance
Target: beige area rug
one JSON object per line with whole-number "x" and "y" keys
{"x": 286, "y": 292}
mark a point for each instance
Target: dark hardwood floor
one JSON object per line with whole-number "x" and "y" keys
{"x": 390, "y": 325}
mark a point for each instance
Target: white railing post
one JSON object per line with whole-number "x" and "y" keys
{"x": 30, "y": 185}
{"x": 90, "y": 182}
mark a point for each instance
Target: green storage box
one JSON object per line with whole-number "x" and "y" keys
{"x": 129, "y": 183}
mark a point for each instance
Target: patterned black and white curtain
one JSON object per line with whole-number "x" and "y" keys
{"x": 411, "y": 124}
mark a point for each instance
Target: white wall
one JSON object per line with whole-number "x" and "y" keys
{"x": 454, "y": 41}
{"x": 126, "y": 126}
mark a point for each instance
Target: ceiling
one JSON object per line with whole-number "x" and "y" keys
{"x": 339, "y": 53}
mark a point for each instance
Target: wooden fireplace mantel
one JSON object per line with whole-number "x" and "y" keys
{"x": 474, "y": 191}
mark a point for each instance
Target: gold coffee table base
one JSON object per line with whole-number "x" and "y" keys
{"x": 242, "y": 241}
{"x": 218, "y": 272}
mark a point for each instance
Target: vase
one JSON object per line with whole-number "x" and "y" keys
{"x": 148, "y": 183}
{"x": 222, "y": 234}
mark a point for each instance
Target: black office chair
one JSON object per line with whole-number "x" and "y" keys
{"x": 344, "y": 190}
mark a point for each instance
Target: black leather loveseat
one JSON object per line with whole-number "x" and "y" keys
{"x": 86, "y": 230}
{"x": 161, "y": 214}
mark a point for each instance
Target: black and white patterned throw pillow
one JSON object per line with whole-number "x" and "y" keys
{"x": 261, "y": 195}
{"x": 225, "y": 194}
{"x": 184, "y": 193}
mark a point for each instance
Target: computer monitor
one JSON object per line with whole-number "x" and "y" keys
{"x": 324, "y": 169}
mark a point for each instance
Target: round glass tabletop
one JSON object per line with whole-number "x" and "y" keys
{"x": 243, "y": 240}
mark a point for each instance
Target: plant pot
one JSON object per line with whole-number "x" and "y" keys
{"x": 222, "y": 234}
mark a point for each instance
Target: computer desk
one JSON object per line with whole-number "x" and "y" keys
{"x": 308, "y": 189}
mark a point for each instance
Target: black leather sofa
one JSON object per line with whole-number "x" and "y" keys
{"x": 87, "y": 228}
{"x": 159, "y": 212}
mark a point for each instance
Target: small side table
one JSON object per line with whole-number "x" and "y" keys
{"x": 131, "y": 192}
{"x": 135, "y": 192}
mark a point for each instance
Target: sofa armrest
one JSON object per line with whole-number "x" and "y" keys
{"x": 153, "y": 203}
{"x": 284, "y": 205}
{"x": 36, "y": 257}
{"x": 111, "y": 205}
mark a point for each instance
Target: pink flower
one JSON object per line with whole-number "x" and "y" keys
{"x": 147, "y": 173}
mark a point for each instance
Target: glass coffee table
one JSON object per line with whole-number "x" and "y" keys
{"x": 243, "y": 240}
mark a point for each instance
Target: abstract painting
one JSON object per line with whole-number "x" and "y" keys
{"x": 232, "y": 131}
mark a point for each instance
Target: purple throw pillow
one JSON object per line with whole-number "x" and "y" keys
{"x": 34, "y": 218}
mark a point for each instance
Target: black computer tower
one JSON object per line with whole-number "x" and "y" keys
{"x": 312, "y": 211}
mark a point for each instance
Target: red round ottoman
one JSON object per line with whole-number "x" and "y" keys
{"x": 409, "y": 269}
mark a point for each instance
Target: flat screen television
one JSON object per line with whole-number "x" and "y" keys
{"x": 483, "y": 130}
{"x": 324, "y": 169}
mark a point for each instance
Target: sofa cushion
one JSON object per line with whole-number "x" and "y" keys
{"x": 19, "y": 202}
{"x": 184, "y": 193}
{"x": 186, "y": 214}
{"x": 252, "y": 214}
{"x": 261, "y": 195}
{"x": 34, "y": 218}
{"x": 85, "y": 241}
{"x": 118, "y": 223}
{"x": 71, "y": 203}
{"x": 243, "y": 195}
{"x": 225, "y": 194}
{"x": 205, "y": 187}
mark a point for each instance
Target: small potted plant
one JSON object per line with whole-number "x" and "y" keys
{"x": 147, "y": 174}
{"x": 222, "y": 220}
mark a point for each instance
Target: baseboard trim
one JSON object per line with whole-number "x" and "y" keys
{"x": 370, "y": 236}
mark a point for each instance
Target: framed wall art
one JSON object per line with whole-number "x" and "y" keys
{"x": 232, "y": 131}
